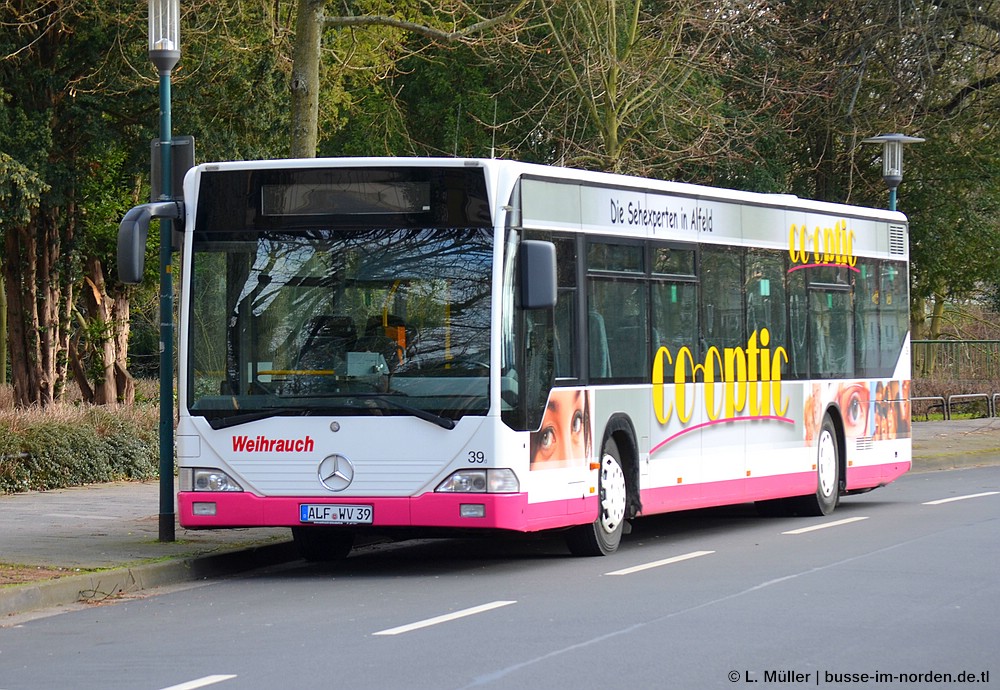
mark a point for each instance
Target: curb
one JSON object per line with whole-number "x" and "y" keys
{"x": 108, "y": 584}
{"x": 967, "y": 458}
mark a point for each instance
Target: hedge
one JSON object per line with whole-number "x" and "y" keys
{"x": 86, "y": 445}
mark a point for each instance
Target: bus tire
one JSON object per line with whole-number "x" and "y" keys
{"x": 322, "y": 545}
{"x": 603, "y": 535}
{"x": 827, "y": 493}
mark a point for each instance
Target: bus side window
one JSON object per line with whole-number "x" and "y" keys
{"x": 831, "y": 346}
{"x": 798, "y": 326}
{"x": 565, "y": 340}
{"x": 567, "y": 343}
{"x": 674, "y": 299}
{"x": 618, "y": 314}
{"x": 866, "y": 317}
{"x": 722, "y": 298}
{"x": 675, "y": 316}
{"x": 600, "y": 357}
{"x": 894, "y": 313}
{"x": 766, "y": 296}
{"x": 538, "y": 364}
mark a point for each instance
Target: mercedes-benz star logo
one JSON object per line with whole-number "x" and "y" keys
{"x": 336, "y": 472}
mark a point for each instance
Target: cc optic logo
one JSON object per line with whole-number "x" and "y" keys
{"x": 336, "y": 472}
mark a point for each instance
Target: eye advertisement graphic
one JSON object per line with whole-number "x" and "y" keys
{"x": 880, "y": 410}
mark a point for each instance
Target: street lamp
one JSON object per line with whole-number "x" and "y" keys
{"x": 164, "y": 52}
{"x": 892, "y": 160}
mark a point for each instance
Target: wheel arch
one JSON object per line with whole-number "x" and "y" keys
{"x": 621, "y": 429}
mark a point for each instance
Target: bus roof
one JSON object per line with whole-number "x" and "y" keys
{"x": 510, "y": 168}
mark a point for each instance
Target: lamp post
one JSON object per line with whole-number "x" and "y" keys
{"x": 892, "y": 160}
{"x": 164, "y": 52}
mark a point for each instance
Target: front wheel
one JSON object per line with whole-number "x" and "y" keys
{"x": 603, "y": 535}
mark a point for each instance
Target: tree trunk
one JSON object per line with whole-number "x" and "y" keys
{"x": 918, "y": 318}
{"x": 937, "y": 317}
{"x": 305, "y": 78}
{"x": 38, "y": 308}
{"x": 3, "y": 331}
{"x": 825, "y": 172}
{"x": 120, "y": 315}
{"x": 99, "y": 349}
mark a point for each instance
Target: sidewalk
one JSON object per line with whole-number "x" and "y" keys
{"x": 953, "y": 444}
{"x": 102, "y": 541}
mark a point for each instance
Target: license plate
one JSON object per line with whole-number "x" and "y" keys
{"x": 326, "y": 514}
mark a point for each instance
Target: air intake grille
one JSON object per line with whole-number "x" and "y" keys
{"x": 897, "y": 240}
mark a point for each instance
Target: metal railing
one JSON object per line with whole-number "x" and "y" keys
{"x": 972, "y": 364}
{"x": 947, "y": 403}
{"x": 956, "y": 359}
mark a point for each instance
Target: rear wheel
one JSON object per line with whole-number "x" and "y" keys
{"x": 827, "y": 493}
{"x": 603, "y": 535}
{"x": 320, "y": 544}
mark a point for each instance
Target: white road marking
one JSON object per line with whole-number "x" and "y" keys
{"x": 836, "y": 523}
{"x": 657, "y": 564}
{"x": 960, "y": 498}
{"x": 200, "y": 682}
{"x": 445, "y": 618}
{"x": 598, "y": 643}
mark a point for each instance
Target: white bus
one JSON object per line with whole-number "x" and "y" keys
{"x": 417, "y": 345}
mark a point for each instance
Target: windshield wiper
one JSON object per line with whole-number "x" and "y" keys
{"x": 440, "y": 420}
{"x": 246, "y": 417}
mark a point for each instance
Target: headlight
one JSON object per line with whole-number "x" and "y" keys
{"x": 203, "y": 479}
{"x": 499, "y": 481}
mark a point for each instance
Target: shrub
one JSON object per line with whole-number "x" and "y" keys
{"x": 69, "y": 445}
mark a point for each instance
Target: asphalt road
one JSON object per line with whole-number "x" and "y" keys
{"x": 895, "y": 585}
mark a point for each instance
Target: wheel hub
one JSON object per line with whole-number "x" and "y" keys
{"x": 613, "y": 494}
{"x": 827, "y": 463}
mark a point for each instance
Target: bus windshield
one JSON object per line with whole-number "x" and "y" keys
{"x": 345, "y": 320}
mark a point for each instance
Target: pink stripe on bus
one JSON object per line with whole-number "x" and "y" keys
{"x": 502, "y": 511}
{"x": 512, "y": 511}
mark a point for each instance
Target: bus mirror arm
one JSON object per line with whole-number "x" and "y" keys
{"x": 132, "y": 234}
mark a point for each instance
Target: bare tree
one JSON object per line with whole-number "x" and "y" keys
{"x": 632, "y": 88}
{"x": 440, "y": 22}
